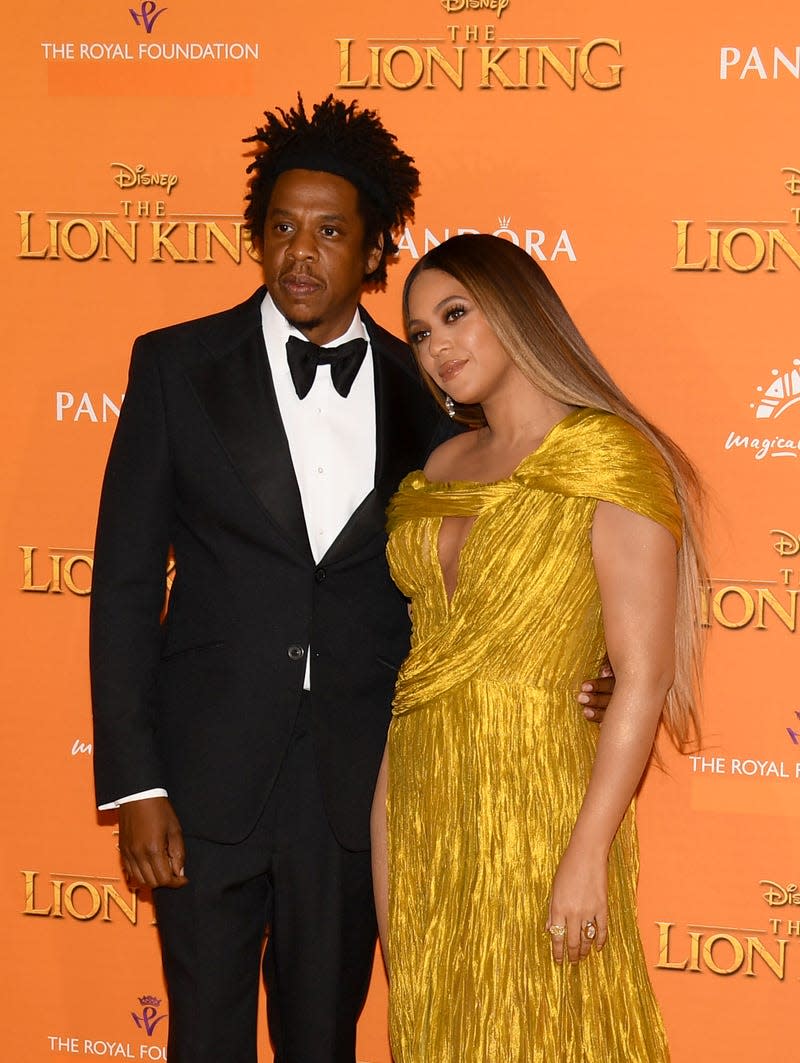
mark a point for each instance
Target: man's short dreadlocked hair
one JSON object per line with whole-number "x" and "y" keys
{"x": 340, "y": 139}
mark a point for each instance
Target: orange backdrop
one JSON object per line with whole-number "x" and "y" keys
{"x": 650, "y": 160}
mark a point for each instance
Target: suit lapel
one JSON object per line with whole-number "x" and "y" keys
{"x": 238, "y": 396}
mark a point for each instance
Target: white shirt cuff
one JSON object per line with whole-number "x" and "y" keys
{"x": 142, "y": 796}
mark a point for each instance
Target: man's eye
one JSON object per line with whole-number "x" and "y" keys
{"x": 329, "y": 231}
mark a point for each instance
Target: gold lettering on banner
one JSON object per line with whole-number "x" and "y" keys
{"x": 92, "y": 242}
{"x": 417, "y": 66}
{"x": 490, "y": 64}
{"x": 614, "y": 69}
{"x": 25, "y": 250}
{"x": 721, "y": 953}
{"x": 79, "y": 899}
{"x": 74, "y": 909}
{"x": 128, "y": 247}
{"x": 30, "y": 900}
{"x": 28, "y": 582}
{"x": 734, "y": 607}
{"x": 84, "y": 239}
{"x": 161, "y": 239}
{"x": 547, "y": 56}
{"x": 454, "y": 7}
{"x": 406, "y": 65}
{"x": 69, "y": 580}
{"x": 763, "y": 604}
{"x": 742, "y": 249}
{"x": 778, "y": 896}
{"x": 788, "y": 544}
{"x": 62, "y": 570}
{"x": 68, "y": 570}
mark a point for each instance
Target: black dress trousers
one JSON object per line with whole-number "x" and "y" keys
{"x": 289, "y": 884}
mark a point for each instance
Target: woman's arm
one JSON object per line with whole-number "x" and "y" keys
{"x": 636, "y": 566}
{"x": 380, "y": 860}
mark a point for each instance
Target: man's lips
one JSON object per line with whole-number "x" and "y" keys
{"x": 450, "y": 369}
{"x": 300, "y": 285}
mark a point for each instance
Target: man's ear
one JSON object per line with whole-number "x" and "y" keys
{"x": 374, "y": 256}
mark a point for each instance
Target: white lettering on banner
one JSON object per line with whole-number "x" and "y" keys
{"x": 114, "y": 1049}
{"x": 84, "y": 1047}
{"x": 65, "y": 50}
{"x": 746, "y": 766}
{"x": 536, "y": 242}
{"x": 63, "y": 1044}
{"x": 777, "y": 447}
{"x": 113, "y": 51}
{"x": 104, "y": 51}
{"x": 783, "y": 64}
{"x": 194, "y": 51}
{"x": 774, "y": 398}
{"x": 101, "y": 410}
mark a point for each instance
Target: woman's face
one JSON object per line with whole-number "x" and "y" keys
{"x": 453, "y": 341}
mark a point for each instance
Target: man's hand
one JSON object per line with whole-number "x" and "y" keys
{"x": 151, "y": 843}
{"x": 596, "y": 694}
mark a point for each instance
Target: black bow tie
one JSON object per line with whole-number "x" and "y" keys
{"x": 344, "y": 360}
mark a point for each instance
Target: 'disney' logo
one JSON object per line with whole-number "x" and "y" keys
{"x": 138, "y": 177}
{"x": 778, "y": 896}
{"x": 495, "y": 7}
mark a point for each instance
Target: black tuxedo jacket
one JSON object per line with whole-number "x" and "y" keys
{"x": 202, "y": 701}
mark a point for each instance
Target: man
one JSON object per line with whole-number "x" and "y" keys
{"x": 271, "y": 493}
{"x": 241, "y": 739}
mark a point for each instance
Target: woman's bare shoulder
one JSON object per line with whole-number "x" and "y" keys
{"x": 446, "y": 461}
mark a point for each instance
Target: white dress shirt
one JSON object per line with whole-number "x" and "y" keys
{"x": 331, "y": 439}
{"x": 332, "y": 442}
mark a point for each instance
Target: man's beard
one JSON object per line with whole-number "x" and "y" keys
{"x": 305, "y": 326}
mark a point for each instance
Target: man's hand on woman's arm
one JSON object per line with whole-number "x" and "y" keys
{"x": 595, "y": 694}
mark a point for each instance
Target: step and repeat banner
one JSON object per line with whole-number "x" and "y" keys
{"x": 649, "y": 160}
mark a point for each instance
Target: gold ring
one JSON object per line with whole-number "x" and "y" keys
{"x": 589, "y": 929}
{"x": 558, "y": 931}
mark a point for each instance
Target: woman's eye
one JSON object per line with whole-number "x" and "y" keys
{"x": 418, "y": 337}
{"x": 454, "y": 312}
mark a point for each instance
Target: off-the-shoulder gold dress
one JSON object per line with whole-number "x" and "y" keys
{"x": 489, "y": 758}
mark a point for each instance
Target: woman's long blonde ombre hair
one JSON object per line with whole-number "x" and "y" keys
{"x": 527, "y": 316}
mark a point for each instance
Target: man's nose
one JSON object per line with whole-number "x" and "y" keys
{"x": 302, "y": 246}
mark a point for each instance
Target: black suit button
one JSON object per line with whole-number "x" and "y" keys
{"x": 296, "y": 653}
{"x": 320, "y": 575}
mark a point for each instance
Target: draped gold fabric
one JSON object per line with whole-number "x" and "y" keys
{"x": 489, "y": 758}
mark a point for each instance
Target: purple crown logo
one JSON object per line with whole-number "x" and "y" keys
{"x": 149, "y": 1018}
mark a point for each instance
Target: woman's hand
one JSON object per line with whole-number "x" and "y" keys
{"x": 579, "y": 904}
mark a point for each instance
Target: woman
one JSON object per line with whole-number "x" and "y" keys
{"x": 562, "y": 528}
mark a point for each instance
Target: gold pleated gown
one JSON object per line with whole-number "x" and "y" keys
{"x": 489, "y": 759}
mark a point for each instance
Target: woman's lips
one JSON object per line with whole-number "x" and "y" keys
{"x": 451, "y": 369}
